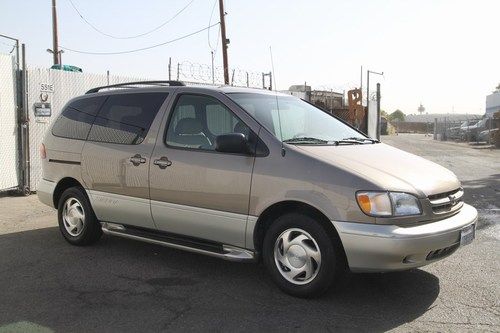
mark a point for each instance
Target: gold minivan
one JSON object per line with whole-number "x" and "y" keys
{"x": 245, "y": 174}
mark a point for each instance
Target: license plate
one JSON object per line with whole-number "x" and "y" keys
{"x": 467, "y": 234}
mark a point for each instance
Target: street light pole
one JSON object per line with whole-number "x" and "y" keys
{"x": 368, "y": 72}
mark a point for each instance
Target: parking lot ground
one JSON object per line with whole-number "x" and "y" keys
{"x": 121, "y": 285}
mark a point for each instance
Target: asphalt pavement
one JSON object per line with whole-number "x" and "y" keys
{"x": 121, "y": 285}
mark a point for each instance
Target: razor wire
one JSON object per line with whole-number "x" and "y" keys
{"x": 204, "y": 73}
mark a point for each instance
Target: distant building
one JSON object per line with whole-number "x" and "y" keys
{"x": 302, "y": 91}
{"x": 329, "y": 100}
{"x": 492, "y": 103}
{"x": 326, "y": 99}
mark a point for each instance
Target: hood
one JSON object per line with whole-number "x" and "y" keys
{"x": 388, "y": 167}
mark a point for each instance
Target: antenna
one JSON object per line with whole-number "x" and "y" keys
{"x": 277, "y": 103}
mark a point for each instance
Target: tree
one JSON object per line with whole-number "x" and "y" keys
{"x": 397, "y": 115}
{"x": 497, "y": 89}
{"x": 383, "y": 113}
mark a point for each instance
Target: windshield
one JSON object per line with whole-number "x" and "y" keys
{"x": 301, "y": 122}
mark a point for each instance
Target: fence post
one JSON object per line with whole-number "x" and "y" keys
{"x": 435, "y": 128}
{"x": 490, "y": 120}
{"x": 24, "y": 128}
{"x": 178, "y": 70}
{"x": 378, "y": 111}
{"x": 248, "y": 82}
{"x": 107, "y": 76}
{"x": 169, "y": 68}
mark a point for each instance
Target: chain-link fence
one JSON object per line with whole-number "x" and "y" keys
{"x": 8, "y": 122}
{"x": 466, "y": 129}
{"x": 10, "y": 114}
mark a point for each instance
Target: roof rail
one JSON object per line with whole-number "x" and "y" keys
{"x": 131, "y": 84}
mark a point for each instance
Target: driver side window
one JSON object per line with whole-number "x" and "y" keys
{"x": 196, "y": 121}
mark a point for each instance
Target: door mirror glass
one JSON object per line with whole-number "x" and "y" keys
{"x": 235, "y": 143}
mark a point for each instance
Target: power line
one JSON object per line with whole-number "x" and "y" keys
{"x": 210, "y": 22}
{"x": 128, "y": 37}
{"x": 142, "y": 48}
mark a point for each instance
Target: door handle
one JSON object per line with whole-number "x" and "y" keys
{"x": 163, "y": 162}
{"x": 137, "y": 159}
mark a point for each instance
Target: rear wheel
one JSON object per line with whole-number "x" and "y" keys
{"x": 77, "y": 221}
{"x": 300, "y": 255}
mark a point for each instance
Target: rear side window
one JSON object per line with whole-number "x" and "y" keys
{"x": 125, "y": 119}
{"x": 76, "y": 119}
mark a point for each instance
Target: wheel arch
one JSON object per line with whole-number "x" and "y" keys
{"x": 271, "y": 213}
{"x": 62, "y": 186}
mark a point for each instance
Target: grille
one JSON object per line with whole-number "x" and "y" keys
{"x": 446, "y": 202}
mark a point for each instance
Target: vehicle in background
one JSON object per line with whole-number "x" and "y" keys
{"x": 472, "y": 133}
{"x": 489, "y": 136}
{"x": 456, "y": 133}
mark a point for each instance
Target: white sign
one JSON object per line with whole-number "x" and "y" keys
{"x": 46, "y": 87}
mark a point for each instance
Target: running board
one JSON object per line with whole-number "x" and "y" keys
{"x": 217, "y": 250}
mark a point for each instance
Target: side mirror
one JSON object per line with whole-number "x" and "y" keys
{"x": 235, "y": 143}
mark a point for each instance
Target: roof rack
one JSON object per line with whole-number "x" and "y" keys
{"x": 131, "y": 84}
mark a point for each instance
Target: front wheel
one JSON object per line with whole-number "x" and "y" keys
{"x": 77, "y": 221}
{"x": 300, "y": 255}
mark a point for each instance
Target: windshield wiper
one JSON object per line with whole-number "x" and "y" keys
{"x": 357, "y": 140}
{"x": 305, "y": 139}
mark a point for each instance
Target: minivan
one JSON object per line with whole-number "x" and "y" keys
{"x": 247, "y": 175}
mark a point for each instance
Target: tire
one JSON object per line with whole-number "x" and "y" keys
{"x": 77, "y": 221}
{"x": 311, "y": 251}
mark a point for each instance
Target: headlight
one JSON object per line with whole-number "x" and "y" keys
{"x": 404, "y": 204}
{"x": 388, "y": 204}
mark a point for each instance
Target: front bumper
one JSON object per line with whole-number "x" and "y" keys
{"x": 378, "y": 248}
{"x": 45, "y": 192}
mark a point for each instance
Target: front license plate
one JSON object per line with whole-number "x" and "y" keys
{"x": 467, "y": 234}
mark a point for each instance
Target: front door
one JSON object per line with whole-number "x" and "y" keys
{"x": 116, "y": 157}
{"x": 196, "y": 191}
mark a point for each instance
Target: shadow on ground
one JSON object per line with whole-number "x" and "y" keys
{"x": 122, "y": 285}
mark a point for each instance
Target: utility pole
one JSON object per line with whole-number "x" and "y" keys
{"x": 55, "y": 43}
{"x": 225, "y": 41}
{"x": 361, "y": 84}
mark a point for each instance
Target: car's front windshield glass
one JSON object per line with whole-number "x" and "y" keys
{"x": 301, "y": 122}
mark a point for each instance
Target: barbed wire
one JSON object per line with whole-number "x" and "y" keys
{"x": 202, "y": 73}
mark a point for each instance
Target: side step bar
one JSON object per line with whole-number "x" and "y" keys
{"x": 222, "y": 251}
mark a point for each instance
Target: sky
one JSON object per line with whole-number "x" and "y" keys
{"x": 444, "y": 54}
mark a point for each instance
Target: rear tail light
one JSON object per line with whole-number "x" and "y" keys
{"x": 43, "y": 152}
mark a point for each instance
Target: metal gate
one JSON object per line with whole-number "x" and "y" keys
{"x": 8, "y": 122}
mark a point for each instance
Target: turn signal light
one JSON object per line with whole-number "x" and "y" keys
{"x": 364, "y": 203}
